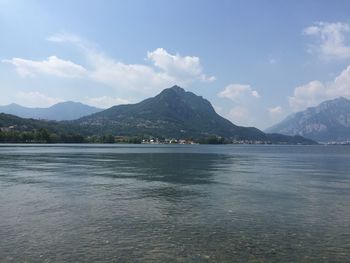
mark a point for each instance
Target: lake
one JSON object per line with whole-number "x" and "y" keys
{"x": 174, "y": 203}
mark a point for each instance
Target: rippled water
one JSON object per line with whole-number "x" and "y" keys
{"x": 98, "y": 203}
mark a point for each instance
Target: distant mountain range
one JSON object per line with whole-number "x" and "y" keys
{"x": 174, "y": 113}
{"x": 329, "y": 121}
{"x": 61, "y": 111}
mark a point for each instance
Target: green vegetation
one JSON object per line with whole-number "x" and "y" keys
{"x": 39, "y": 136}
{"x": 213, "y": 140}
{"x": 45, "y": 136}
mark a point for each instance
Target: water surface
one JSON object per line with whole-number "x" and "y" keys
{"x": 174, "y": 203}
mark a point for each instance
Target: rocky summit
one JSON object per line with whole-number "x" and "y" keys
{"x": 327, "y": 122}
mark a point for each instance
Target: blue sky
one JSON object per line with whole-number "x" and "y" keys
{"x": 256, "y": 61}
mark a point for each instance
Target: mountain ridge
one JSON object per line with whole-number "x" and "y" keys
{"x": 328, "y": 121}
{"x": 173, "y": 108}
{"x": 68, "y": 110}
{"x": 173, "y": 113}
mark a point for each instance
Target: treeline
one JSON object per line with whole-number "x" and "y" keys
{"x": 44, "y": 136}
{"x": 39, "y": 136}
{"x": 214, "y": 140}
{"x": 113, "y": 139}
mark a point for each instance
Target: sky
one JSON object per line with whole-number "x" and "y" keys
{"x": 255, "y": 61}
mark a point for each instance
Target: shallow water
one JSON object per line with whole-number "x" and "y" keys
{"x": 174, "y": 203}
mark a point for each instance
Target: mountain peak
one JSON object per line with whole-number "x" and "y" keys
{"x": 337, "y": 100}
{"x": 342, "y": 99}
{"x": 173, "y": 91}
{"x": 177, "y": 89}
{"x": 328, "y": 121}
{"x": 13, "y": 105}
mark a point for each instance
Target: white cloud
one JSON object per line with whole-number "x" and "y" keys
{"x": 255, "y": 94}
{"x": 341, "y": 85}
{"x": 105, "y": 101}
{"x": 35, "y": 99}
{"x": 238, "y": 91}
{"x": 240, "y": 115}
{"x": 314, "y": 92}
{"x": 79, "y": 42}
{"x": 275, "y": 112}
{"x": 63, "y": 37}
{"x": 166, "y": 69}
{"x": 218, "y": 109}
{"x": 307, "y": 95}
{"x": 122, "y": 76}
{"x": 243, "y": 97}
{"x": 186, "y": 68}
{"x": 51, "y": 66}
{"x": 331, "y": 39}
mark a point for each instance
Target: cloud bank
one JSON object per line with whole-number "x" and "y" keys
{"x": 237, "y": 92}
{"x": 331, "y": 39}
{"x": 165, "y": 69}
{"x": 51, "y": 66}
{"x": 314, "y": 92}
{"x": 242, "y": 96}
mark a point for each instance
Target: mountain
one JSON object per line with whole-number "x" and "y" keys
{"x": 172, "y": 113}
{"x": 329, "y": 121}
{"x": 61, "y": 111}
